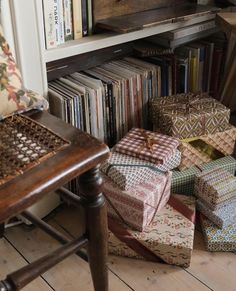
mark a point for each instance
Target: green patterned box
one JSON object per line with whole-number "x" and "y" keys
{"x": 183, "y": 181}
{"x": 216, "y": 239}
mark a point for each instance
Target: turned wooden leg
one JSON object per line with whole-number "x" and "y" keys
{"x": 96, "y": 226}
{"x": 2, "y": 228}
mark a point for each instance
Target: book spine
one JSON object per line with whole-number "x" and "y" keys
{"x": 56, "y": 20}
{"x": 68, "y": 20}
{"x": 90, "y": 17}
{"x": 77, "y": 19}
{"x": 61, "y": 21}
{"x": 49, "y": 24}
{"x": 84, "y": 18}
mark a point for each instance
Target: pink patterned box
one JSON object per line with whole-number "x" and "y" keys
{"x": 137, "y": 207}
{"x": 147, "y": 145}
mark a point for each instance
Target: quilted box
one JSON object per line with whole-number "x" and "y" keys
{"x": 191, "y": 116}
{"x": 147, "y": 145}
{"x": 183, "y": 181}
{"x": 168, "y": 238}
{"x": 221, "y": 217}
{"x": 216, "y": 187}
{"x": 218, "y": 240}
{"x": 127, "y": 171}
{"x": 137, "y": 207}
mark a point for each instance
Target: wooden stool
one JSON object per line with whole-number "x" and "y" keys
{"x": 76, "y": 154}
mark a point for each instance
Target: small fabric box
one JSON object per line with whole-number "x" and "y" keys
{"x": 191, "y": 116}
{"x": 221, "y": 217}
{"x": 138, "y": 206}
{"x": 127, "y": 171}
{"x": 183, "y": 181}
{"x": 215, "y": 187}
{"x": 168, "y": 238}
{"x": 218, "y": 240}
{"x": 147, "y": 145}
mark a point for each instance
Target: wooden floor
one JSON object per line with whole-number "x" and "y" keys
{"x": 208, "y": 271}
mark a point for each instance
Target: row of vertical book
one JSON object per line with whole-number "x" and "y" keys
{"x": 66, "y": 20}
{"x": 108, "y": 100}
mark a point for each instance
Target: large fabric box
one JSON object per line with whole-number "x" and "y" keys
{"x": 147, "y": 145}
{"x": 221, "y": 217}
{"x": 215, "y": 187}
{"x": 127, "y": 171}
{"x": 168, "y": 238}
{"x": 138, "y": 206}
{"x": 183, "y": 181}
{"x": 218, "y": 240}
{"x": 190, "y": 116}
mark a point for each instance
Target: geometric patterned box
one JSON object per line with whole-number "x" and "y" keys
{"x": 222, "y": 217}
{"x": 169, "y": 238}
{"x": 191, "y": 117}
{"x": 127, "y": 171}
{"x": 215, "y": 187}
{"x": 183, "y": 181}
{"x": 138, "y": 206}
{"x": 218, "y": 240}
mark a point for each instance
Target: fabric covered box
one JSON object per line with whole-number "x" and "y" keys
{"x": 138, "y": 206}
{"x": 14, "y": 97}
{"x": 221, "y": 217}
{"x": 215, "y": 187}
{"x": 147, "y": 145}
{"x": 168, "y": 238}
{"x": 183, "y": 181}
{"x": 127, "y": 171}
{"x": 218, "y": 240}
{"x": 190, "y": 116}
{"x": 203, "y": 149}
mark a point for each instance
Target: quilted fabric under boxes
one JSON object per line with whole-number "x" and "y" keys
{"x": 187, "y": 115}
{"x": 137, "y": 207}
{"x": 216, "y": 187}
{"x": 168, "y": 238}
{"x": 203, "y": 149}
{"x": 127, "y": 171}
{"x": 147, "y": 145}
{"x": 218, "y": 240}
{"x": 221, "y": 217}
{"x": 183, "y": 181}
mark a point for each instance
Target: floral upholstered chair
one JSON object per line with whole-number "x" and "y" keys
{"x": 14, "y": 98}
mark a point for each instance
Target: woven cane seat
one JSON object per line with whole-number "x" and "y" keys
{"x": 24, "y": 143}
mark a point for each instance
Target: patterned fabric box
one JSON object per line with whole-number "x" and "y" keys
{"x": 222, "y": 217}
{"x": 218, "y": 240}
{"x": 183, "y": 181}
{"x": 147, "y": 145}
{"x": 127, "y": 171}
{"x": 191, "y": 116}
{"x": 206, "y": 148}
{"x": 168, "y": 238}
{"x": 215, "y": 187}
{"x": 138, "y": 206}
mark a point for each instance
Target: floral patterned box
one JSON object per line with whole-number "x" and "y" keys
{"x": 128, "y": 172}
{"x": 216, "y": 239}
{"x": 138, "y": 206}
{"x": 147, "y": 145}
{"x": 169, "y": 238}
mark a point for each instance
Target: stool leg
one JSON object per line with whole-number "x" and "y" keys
{"x": 2, "y": 228}
{"x": 96, "y": 226}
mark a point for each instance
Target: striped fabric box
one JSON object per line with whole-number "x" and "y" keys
{"x": 147, "y": 145}
{"x": 215, "y": 187}
{"x": 183, "y": 181}
{"x": 218, "y": 240}
{"x": 138, "y": 206}
{"x": 127, "y": 171}
{"x": 221, "y": 217}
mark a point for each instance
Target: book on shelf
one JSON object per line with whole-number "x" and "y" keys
{"x": 84, "y": 17}
{"x": 68, "y": 20}
{"x": 49, "y": 24}
{"x": 77, "y": 18}
{"x": 61, "y": 21}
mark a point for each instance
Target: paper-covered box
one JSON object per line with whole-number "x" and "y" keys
{"x": 138, "y": 206}
{"x": 187, "y": 115}
{"x": 127, "y": 171}
{"x": 216, "y": 239}
{"x": 147, "y": 145}
{"x": 168, "y": 238}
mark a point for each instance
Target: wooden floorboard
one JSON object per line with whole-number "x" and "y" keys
{"x": 208, "y": 271}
